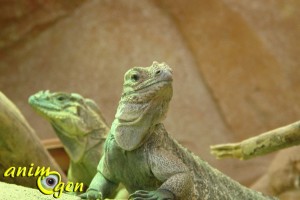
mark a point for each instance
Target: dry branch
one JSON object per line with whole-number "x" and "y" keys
{"x": 262, "y": 144}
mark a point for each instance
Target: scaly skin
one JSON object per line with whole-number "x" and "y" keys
{"x": 141, "y": 155}
{"x": 79, "y": 125}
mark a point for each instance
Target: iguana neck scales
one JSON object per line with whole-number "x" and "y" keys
{"x": 140, "y": 154}
{"x": 80, "y": 126}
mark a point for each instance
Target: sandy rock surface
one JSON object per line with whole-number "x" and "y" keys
{"x": 15, "y": 192}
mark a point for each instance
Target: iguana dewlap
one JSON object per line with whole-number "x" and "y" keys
{"x": 141, "y": 155}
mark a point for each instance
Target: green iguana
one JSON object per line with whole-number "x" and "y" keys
{"x": 140, "y": 154}
{"x": 79, "y": 125}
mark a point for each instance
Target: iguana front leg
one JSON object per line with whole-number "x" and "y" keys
{"x": 176, "y": 178}
{"x": 99, "y": 188}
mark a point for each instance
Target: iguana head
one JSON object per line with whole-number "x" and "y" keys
{"x": 142, "y": 84}
{"x": 147, "y": 92}
{"x": 69, "y": 112}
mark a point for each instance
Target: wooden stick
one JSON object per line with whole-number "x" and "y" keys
{"x": 265, "y": 143}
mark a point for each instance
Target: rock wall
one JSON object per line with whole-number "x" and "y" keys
{"x": 236, "y": 64}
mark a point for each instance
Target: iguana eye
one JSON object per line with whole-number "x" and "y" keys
{"x": 157, "y": 72}
{"x": 135, "y": 77}
{"x": 60, "y": 98}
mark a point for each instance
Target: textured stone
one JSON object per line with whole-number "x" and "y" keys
{"x": 282, "y": 177}
{"x": 247, "y": 52}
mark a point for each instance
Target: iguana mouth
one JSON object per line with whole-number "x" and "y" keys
{"x": 160, "y": 83}
{"x": 32, "y": 100}
{"x": 51, "y": 110}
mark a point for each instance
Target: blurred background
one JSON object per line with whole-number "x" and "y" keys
{"x": 236, "y": 63}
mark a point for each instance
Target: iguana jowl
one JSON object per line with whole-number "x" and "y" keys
{"x": 141, "y": 155}
{"x": 79, "y": 125}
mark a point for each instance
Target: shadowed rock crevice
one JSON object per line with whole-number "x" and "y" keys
{"x": 21, "y": 22}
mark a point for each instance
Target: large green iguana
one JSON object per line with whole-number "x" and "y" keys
{"x": 141, "y": 155}
{"x": 79, "y": 125}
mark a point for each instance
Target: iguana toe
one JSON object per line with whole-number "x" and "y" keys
{"x": 152, "y": 195}
{"x": 91, "y": 195}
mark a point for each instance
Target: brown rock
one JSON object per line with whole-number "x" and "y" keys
{"x": 282, "y": 177}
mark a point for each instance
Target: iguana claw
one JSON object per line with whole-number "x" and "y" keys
{"x": 152, "y": 195}
{"x": 91, "y": 195}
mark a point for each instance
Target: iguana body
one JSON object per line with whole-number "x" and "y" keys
{"x": 141, "y": 155}
{"x": 79, "y": 125}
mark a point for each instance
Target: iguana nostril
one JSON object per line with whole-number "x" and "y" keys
{"x": 158, "y": 72}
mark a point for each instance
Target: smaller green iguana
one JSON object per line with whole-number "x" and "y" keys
{"x": 140, "y": 154}
{"x": 79, "y": 125}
